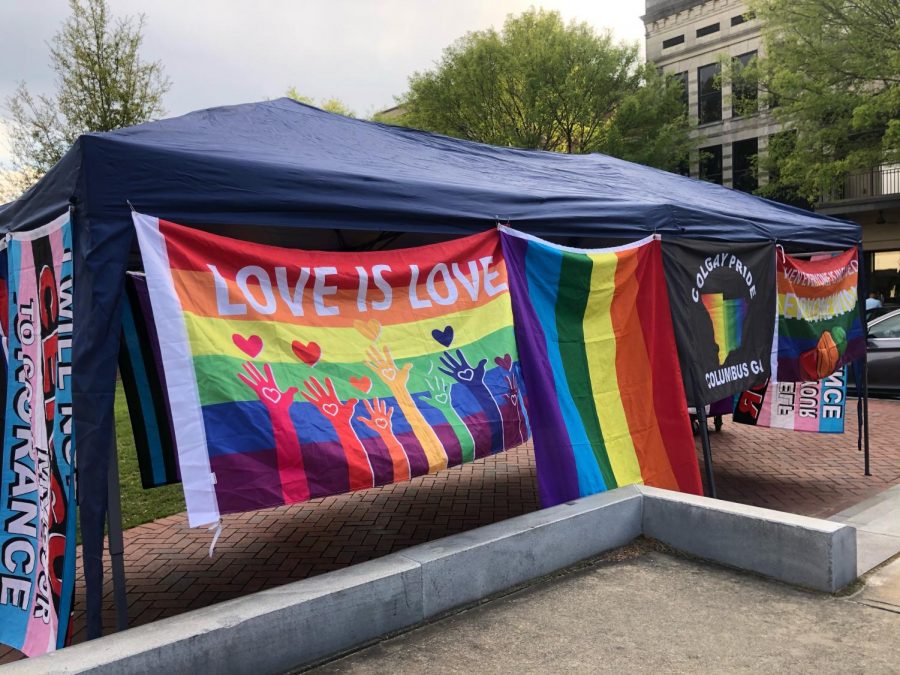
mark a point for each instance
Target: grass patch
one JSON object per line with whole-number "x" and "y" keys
{"x": 139, "y": 505}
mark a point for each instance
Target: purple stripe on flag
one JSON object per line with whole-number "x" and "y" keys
{"x": 556, "y": 473}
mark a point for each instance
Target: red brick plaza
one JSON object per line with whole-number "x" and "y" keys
{"x": 169, "y": 570}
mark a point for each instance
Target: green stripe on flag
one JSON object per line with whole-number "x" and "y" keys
{"x": 217, "y": 379}
{"x": 571, "y": 302}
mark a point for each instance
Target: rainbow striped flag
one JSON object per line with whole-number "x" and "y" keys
{"x": 727, "y": 317}
{"x": 819, "y": 325}
{"x": 297, "y": 374}
{"x": 599, "y": 359}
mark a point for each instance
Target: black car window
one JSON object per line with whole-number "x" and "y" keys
{"x": 889, "y": 328}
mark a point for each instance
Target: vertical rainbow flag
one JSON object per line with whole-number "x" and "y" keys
{"x": 727, "y": 318}
{"x": 298, "y": 374}
{"x": 600, "y": 363}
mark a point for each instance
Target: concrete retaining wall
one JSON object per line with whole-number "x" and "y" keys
{"x": 305, "y": 621}
{"x": 808, "y": 552}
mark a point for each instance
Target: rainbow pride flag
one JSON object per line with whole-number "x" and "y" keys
{"x": 599, "y": 361}
{"x": 727, "y": 317}
{"x": 819, "y": 326}
{"x": 298, "y": 374}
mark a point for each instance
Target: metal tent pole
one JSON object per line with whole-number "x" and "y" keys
{"x": 862, "y": 287}
{"x": 865, "y": 399}
{"x": 707, "y": 451}
{"x": 116, "y": 544}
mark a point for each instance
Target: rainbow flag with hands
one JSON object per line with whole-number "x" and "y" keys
{"x": 297, "y": 374}
{"x": 598, "y": 357}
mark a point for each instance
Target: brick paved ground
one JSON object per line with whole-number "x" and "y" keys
{"x": 169, "y": 571}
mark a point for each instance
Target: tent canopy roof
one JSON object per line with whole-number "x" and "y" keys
{"x": 283, "y": 163}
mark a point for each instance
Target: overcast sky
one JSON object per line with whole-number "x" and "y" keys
{"x": 219, "y": 52}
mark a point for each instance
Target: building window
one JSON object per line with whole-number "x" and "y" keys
{"x": 709, "y": 104}
{"x": 743, "y": 165}
{"x": 884, "y": 275}
{"x": 742, "y": 18}
{"x": 744, "y": 87}
{"x": 708, "y": 30}
{"x": 673, "y": 41}
{"x": 711, "y": 164}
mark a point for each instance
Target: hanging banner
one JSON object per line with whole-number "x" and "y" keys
{"x": 4, "y": 322}
{"x": 296, "y": 374}
{"x": 37, "y": 509}
{"x": 723, "y": 309}
{"x": 819, "y": 325}
{"x": 818, "y": 407}
{"x": 600, "y": 363}
{"x": 144, "y": 382}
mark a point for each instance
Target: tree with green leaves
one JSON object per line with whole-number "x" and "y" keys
{"x": 332, "y": 105}
{"x": 101, "y": 84}
{"x": 832, "y": 69}
{"x": 542, "y": 83}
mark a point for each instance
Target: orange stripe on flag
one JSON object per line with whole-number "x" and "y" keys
{"x": 197, "y": 293}
{"x": 635, "y": 377}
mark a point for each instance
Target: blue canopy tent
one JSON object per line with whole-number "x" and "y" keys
{"x": 262, "y": 171}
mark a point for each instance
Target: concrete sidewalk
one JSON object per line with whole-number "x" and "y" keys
{"x": 646, "y": 612}
{"x": 877, "y": 523}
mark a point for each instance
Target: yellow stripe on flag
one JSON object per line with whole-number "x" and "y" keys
{"x": 214, "y": 336}
{"x": 600, "y": 346}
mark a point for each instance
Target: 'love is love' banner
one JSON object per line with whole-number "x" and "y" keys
{"x": 296, "y": 374}
{"x": 819, "y": 327}
{"x": 37, "y": 479}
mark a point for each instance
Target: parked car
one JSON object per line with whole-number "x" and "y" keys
{"x": 876, "y": 312}
{"x": 884, "y": 353}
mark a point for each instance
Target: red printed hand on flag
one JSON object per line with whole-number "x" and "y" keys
{"x": 289, "y": 458}
{"x": 267, "y": 388}
{"x": 326, "y": 400}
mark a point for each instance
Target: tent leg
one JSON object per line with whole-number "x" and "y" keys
{"x": 865, "y": 393}
{"x": 116, "y": 544}
{"x": 707, "y": 452}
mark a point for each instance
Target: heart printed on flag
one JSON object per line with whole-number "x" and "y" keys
{"x": 308, "y": 353}
{"x": 251, "y": 346}
{"x": 370, "y": 329}
{"x": 504, "y": 361}
{"x": 443, "y": 337}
